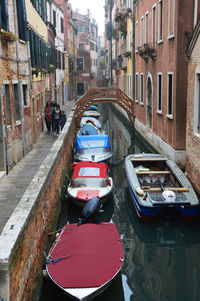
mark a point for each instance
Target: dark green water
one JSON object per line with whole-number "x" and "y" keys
{"x": 161, "y": 259}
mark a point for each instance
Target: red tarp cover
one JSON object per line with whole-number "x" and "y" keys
{"x": 102, "y": 166}
{"x": 86, "y": 195}
{"x": 92, "y": 254}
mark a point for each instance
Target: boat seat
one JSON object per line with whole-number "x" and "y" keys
{"x": 155, "y": 172}
{"x": 157, "y": 189}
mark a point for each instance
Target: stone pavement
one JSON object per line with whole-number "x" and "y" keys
{"x": 13, "y": 185}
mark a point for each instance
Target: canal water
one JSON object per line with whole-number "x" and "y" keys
{"x": 162, "y": 260}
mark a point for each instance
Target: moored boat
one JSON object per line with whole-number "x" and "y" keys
{"x": 159, "y": 187}
{"x": 94, "y": 148}
{"x": 84, "y": 259}
{"x": 91, "y": 114}
{"x": 88, "y": 129}
{"x": 89, "y": 180}
{"x": 93, "y": 120}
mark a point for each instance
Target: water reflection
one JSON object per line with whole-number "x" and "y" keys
{"x": 161, "y": 259}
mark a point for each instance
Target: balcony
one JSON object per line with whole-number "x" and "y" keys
{"x": 147, "y": 50}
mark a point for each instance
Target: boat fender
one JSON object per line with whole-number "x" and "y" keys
{"x": 91, "y": 208}
{"x": 139, "y": 191}
{"x": 168, "y": 196}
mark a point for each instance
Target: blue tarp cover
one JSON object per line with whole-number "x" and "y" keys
{"x": 96, "y": 141}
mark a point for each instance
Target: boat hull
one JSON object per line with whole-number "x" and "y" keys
{"x": 150, "y": 206}
{"x": 77, "y": 249}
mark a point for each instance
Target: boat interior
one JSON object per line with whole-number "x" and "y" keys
{"x": 152, "y": 174}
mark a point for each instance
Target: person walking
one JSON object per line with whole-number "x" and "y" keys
{"x": 56, "y": 119}
{"x": 63, "y": 119}
{"x": 48, "y": 110}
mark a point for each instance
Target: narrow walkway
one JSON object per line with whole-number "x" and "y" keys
{"x": 13, "y": 185}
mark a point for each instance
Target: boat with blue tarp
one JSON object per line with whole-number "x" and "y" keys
{"x": 95, "y": 148}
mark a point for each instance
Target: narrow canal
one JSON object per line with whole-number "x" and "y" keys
{"x": 161, "y": 259}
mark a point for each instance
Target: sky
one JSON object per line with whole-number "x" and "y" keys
{"x": 96, "y": 7}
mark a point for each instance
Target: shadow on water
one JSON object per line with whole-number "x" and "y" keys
{"x": 161, "y": 259}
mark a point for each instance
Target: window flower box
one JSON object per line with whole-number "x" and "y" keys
{"x": 7, "y": 36}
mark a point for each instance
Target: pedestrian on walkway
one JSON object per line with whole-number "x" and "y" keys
{"x": 63, "y": 119}
{"x": 56, "y": 119}
{"x": 48, "y": 110}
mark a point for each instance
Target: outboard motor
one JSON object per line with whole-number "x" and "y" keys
{"x": 90, "y": 209}
{"x": 168, "y": 196}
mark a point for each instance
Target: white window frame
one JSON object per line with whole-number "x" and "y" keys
{"x": 146, "y": 28}
{"x": 136, "y": 87}
{"x": 195, "y": 12}
{"x": 196, "y": 131}
{"x": 170, "y": 116}
{"x": 137, "y": 43}
{"x": 158, "y": 75}
{"x": 159, "y": 22}
{"x": 25, "y": 83}
{"x": 154, "y": 27}
{"x": 170, "y": 36}
{"x": 142, "y": 31}
{"x": 141, "y": 88}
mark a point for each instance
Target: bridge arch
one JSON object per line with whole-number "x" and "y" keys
{"x": 104, "y": 95}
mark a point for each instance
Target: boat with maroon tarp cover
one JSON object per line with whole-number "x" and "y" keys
{"x": 85, "y": 258}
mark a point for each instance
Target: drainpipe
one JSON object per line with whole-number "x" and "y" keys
{"x": 20, "y": 91}
{"x": 133, "y": 55}
{"x": 111, "y": 79}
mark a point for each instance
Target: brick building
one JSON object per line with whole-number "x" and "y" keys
{"x": 15, "y": 85}
{"x": 162, "y": 35}
{"x": 87, "y": 52}
{"x": 193, "y": 105}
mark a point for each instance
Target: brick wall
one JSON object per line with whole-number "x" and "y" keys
{"x": 39, "y": 209}
{"x": 192, "y": 140}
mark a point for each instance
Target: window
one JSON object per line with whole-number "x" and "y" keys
{"x": 54, "y": 18}
{"x": 40, "y": 6}
{"x": 171, "y": 19}
{"x": 21, "y": 19}
{"x": 91, "y": 46}
{"x": 81, "y": 46}
{"x": 142, "y": 88}
{"x": 197, "y": 105}
{"x": 136, "y": 36}
{"x": 196, "y": 11}
{"x": 7, "y": 104}
{"x": 170, "y": 95}
{"x": 61, "y": 25}
{"x": 154, "y": 25}
{"x": 25, "y": 95}
{"x": 16, "y": 101}
{"x": 142, "y": 32}
{"x": 159, "y": 93}
{"x": 160, "y": 20}
{"x": 147, "y": 28}
{"x": 79, "y": 62}
{"x": 136, "y": 87}
{"x": 4, "y": 15}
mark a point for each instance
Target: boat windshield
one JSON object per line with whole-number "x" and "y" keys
{"x": 93, "y": 151}
{"x": 84, "y": 182}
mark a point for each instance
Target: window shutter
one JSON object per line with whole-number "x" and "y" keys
{"x": 22, "y": 20}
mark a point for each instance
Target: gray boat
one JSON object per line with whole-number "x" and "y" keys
{"x": 159, "y": 187}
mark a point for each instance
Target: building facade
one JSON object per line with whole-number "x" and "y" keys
{"x": 193, "y": 105}
{"x": 15, "y": 85}
{"x": 161, "y": 41}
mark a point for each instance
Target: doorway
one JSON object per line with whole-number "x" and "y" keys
{"x": 80, "y": 88}
{"x": 149, "y": 103}
{"x": 2, "y": 154}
